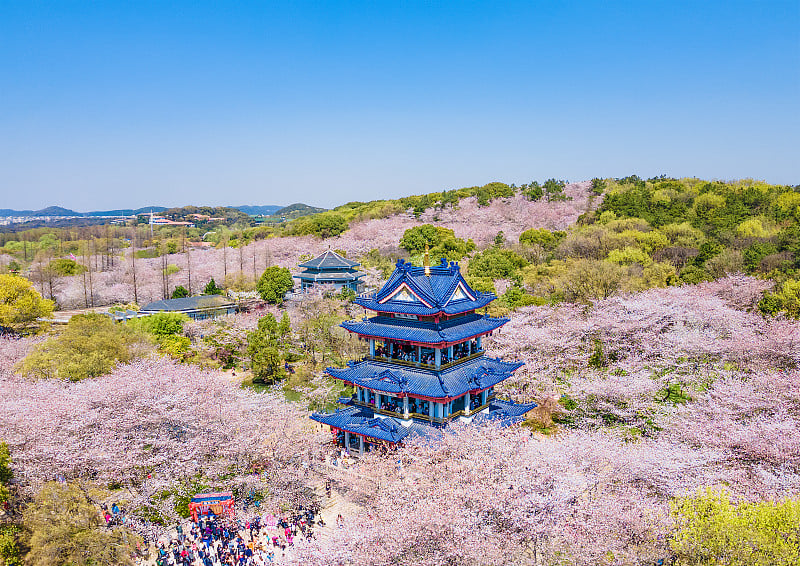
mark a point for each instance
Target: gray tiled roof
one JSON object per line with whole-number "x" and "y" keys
{"x": 329, "y": 260}
{"x": 188, "y": 304}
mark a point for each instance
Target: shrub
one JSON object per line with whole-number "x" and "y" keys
{"x": 711, "y": 529}
{"x": 629, "y": 255}
{"x": 515, "y": 297}
{"x": 161, "y": 324}
{"x": 91, "y": 345}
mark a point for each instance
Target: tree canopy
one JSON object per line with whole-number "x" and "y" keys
{"x": 442, "y": 242}
{"x": 264, "y": 345}
{"x": 274, "y": 283}
{"x": 714, "y": 530}
{"x": 66, "y": 528}
{"x": 20, "y": 304}
{"x": 90, "y": 345}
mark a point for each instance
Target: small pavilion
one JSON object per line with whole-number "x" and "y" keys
{"x": 331, "y": 269}
{"x": 426, "y": 365}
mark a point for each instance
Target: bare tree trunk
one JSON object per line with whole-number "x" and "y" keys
{"x": 224, "y": 260}
{"x": 84, "y": 246}
{"x": 164, "y": 275}
{"x": 255, "y": 273}
{"x": 133, "y": 265}
{"x": 91, "y": 286}
{"x": 189, "y": 271}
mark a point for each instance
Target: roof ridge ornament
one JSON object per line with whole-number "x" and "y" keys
{"x": 426, "y": 261}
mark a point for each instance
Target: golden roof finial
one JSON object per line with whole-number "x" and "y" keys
{"x": 426, "y": 262}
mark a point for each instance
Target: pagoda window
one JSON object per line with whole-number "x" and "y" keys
{"x": 391, "y": 404}
{"x": 475, "y": 400}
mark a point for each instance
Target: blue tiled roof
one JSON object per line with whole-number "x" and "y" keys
{"x": 479, "y": 373}
{"x": 505, "y": 413}
{"x": 330, "y": 260}
{"x": 364, "y": 421}
{"x": 426, "y": 332}
{"x": 429, "y": 294}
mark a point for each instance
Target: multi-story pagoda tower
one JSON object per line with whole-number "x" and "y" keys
{"x": 426, "y": 365}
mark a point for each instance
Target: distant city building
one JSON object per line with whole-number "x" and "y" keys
{"x": 197, "y": 308}
{"x": 426, "y": 365}
{"x": 331, "y": 269}
{"x": 156, "y": 220}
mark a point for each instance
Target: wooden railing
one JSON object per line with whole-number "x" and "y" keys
{"x": 420, "y": 365}
{"x": 424, "y": 417}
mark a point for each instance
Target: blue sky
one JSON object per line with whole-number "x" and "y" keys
{"x": 127, "y": 104}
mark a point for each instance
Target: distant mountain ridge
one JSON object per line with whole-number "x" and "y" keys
{"x": 252, "y": 210}
{"x": 61, "y": 211}
{"x": 299, "y": 208}
{"x": 258, "y": 210}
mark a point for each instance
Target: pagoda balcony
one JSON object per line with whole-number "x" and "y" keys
{"x": 429, "y": 366}
{"x": 397, "y": 411}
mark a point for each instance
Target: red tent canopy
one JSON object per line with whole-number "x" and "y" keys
{"x": 219, "y": 503}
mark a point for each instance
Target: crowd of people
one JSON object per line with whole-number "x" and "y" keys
{"x": 407, "y": 353}
{"x": 223, "y": 541}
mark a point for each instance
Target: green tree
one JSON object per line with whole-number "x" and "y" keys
{"x": 274, "y": 283}
{"x": 5, "y": 472}
{"x": 496, "y": 263}
{"x": 63, "y": 267}
{"x": 10, "y": 554}
{"x": 554, "y": 190}
{"x": 692, "y": 275}
{"x": 515, "y": 297}
{"x": 284, "y": 330}
{"x": 212, "y": 289}
{"x": 441, "y": 241}
{"x": 786, "y": 298}
{"x": 714, "y": 531}
{"x": 67, "y": 529}
{"x": 598, "y": 186}
{"x": 90, "y": 345}
{"x": 180, "y": 292}
{"x": 20, "y": 304}
{"x": 542, "y": 237}
{"x": 533, "y": 191}
{"x": 262, "y": 349}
